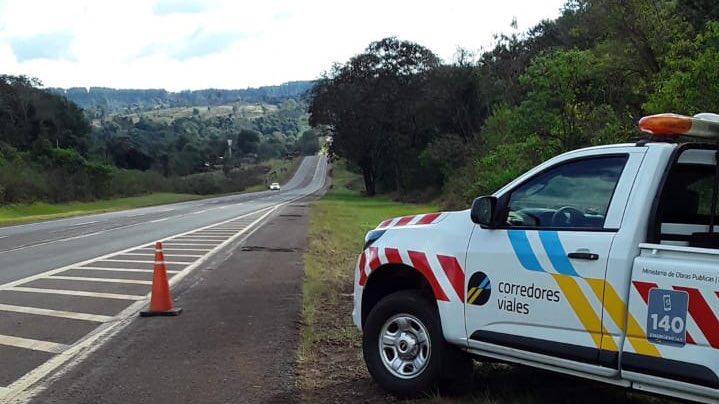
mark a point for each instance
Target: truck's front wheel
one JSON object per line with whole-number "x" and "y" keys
{"x": 403, "y": 344}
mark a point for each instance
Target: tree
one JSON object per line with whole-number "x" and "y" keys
{"x": 690, "y": 84}
{"x": 365, "y": 103}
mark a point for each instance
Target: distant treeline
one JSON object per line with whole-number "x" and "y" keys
{"x": 417, "y": 126}
{"x": 49, "y": 151}
{"x": 120, "y": 100}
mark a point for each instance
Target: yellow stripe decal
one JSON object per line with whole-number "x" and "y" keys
{"x": 469, "y": 293}
{"x": 617, "y": 310}
{"x": 583, "y": 310}
{"x": 476, "y": 295}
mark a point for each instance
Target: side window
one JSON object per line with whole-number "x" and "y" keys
{"x": 572, "y": 195}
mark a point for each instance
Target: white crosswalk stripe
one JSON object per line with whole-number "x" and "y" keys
{"x": 35, "y": 345}
{"x": 118, "y": 296}
{"x": 55, "y": 313}
{"x": 108, "y": 280}
{"x": 123, "y": 269}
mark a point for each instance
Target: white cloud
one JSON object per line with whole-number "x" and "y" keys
{"x": 179, "y": 44}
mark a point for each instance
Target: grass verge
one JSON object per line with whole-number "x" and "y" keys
{"x": 330, "y": 365}
{"x": 38, "y": 211}
{"x": 329, "y": 354}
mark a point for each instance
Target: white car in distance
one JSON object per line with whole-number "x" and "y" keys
{"x": 275, "y": 186}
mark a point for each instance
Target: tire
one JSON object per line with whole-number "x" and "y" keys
{"x": 405, "y": 316}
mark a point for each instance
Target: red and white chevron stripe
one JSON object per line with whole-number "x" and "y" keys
{"x": 428, "y": 218}
{"x": 443, "y": 273}
{"x": 705, "y": 321}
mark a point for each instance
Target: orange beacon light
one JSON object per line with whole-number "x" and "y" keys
{"x": 702, "y": 125}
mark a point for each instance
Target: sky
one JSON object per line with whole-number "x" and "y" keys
{"x": 193, "y": 44}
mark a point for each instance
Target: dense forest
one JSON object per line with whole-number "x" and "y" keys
{"x": 101, "y": 100}
{"x": 52, "y": 150}
{"x": 420, "y": 127}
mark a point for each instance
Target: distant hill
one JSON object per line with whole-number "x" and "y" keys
{"x": 115, "y": 100}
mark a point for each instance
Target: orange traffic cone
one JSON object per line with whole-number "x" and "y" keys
{"x": 160, "y": 300}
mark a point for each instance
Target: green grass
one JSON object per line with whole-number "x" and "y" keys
{"x": 338, "y": 223}
{"x": 38, "y": 211}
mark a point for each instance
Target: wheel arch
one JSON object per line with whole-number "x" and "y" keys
{"x": 391, "y": 278}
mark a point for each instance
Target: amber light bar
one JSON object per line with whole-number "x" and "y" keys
{"x": 703, "y": 125}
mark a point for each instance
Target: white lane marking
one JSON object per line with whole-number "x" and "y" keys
{"x": 55, "y": 313}
{"x": 210, "y": 241}
{"x": 213, "y": 231}
{"x": 144, "y": 262}
{"x": 184, "y": 255}
{"x": 142, "y": 254}
{"x": 52, "y": 242}
{"x": 2, "y": 237}
{"x": 176, "y": 249}
{"x": 21, "y": 388}
{"x": 78, "y": 293}
{"x": 137, "y": 215}
{"x": 199, "y": 211}
{"x": 166, "y": 254}
{"x": 203, "y": 244}
{"x": 159, "y": 220}
{"x": 84, "y": 223}
{"x": 122, "y": 269}
{"x": 107, "y": 280}
{"x": 217, "y": 231}
{"x": 194, "y": 235}
{"x": 34, "y": 344}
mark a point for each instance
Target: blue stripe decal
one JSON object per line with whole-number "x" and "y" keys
{"x": 523, "y": 251}
{"x": 555, "y": 252}
{"x": 485, "y": 284}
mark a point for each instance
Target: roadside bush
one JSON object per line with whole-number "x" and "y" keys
{"x": 134, "y": 182}
{"x": 22, "y": 183}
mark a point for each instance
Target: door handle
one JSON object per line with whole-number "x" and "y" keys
{"x": 581, "y": 255}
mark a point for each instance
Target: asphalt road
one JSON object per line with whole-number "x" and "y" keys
{"x": 235, "y": 341}
{"x": 68, "y": 284}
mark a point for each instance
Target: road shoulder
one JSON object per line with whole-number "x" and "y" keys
{"x": 235, "y": 341}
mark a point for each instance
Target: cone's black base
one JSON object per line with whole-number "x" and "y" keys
{"x": 169, "y": 313}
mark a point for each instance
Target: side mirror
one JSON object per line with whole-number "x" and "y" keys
{"x": 483, "y": 211}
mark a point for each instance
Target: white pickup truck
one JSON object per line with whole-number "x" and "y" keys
{"x": 601, "y": 263}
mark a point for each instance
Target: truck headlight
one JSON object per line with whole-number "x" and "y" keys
{"x": 371, "y": 237}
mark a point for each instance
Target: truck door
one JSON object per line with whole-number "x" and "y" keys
{"x": 674, "y": 288}
{"x": 537, "y": 283}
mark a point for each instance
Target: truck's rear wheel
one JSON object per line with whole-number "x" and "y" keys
{"x": 403, "y": 345}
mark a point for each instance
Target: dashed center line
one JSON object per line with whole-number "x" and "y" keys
{"x": 84, "y": 223}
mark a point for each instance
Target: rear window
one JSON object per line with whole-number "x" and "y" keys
{"x": 687, "y": 194}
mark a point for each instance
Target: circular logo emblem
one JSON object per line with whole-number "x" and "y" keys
{"x": 479, "y": 289}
